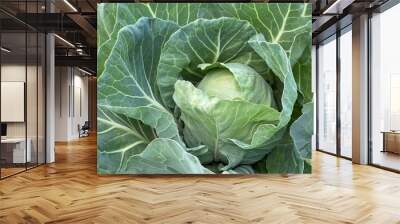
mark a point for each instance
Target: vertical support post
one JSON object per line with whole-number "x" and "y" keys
{"x": 317, "y": 97}
{"x": 360, "y": 90}
{"x": 338, "y": 77}
{"x": 50, "y": 93}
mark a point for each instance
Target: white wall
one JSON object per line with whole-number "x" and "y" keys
{"x": 71, "y": 102}
{"x": 62, "y": 82}
{"x": 80, "y": 109}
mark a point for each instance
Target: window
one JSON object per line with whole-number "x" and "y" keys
{"x": 385, "y": 89}
{"x": 327, "y": 96}
{"x": 346, "y": 92}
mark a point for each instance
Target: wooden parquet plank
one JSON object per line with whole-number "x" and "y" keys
{"x": 70, "y": 191}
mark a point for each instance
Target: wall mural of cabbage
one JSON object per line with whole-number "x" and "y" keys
{"x": 204, "y": 88}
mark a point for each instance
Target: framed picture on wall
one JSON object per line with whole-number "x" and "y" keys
{"x": 12, "y": 101}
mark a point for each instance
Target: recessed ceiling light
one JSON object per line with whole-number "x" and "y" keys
{"x": 337, "y": 7}
{"x": 84, "y": 71}
{"x": 5, "y": 50}
{"x": 64, "y": 40}
{"x": 70, "y": 5}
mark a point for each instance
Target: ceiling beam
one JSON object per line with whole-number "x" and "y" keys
{"x": 86, "y": 27}
{"x": 81, "y": 61}
{"x": 320, "y": 23}
{"x": 337, "y": 7}
{"x": 49, "y": 22}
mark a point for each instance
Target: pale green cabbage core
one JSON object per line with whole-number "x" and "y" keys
{"x": 242, "y": 85}
{"x": 220, "y": 83}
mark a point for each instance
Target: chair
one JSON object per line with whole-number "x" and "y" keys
{"x": 84, "y": 130}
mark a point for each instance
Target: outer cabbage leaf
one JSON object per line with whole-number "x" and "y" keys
{"x": 119, "y": 137}
{"x": 105, "y": 22}
{"x": 165, "y": 156}
{"x": 200, "y": 42}
{"x": 111, "y": 17}
{"x": 302, "y": 75}
{"x": 307, "y": 166}
{"x": 288, "y": 24}
{"x": 285, "y": 159}
{"x": 277, "y": 60}
{"x": 243, "y": 169}
{"x": 293, "y": 154}
{"x": 128, "y": 84}
{"x": 212, "y": 122}
{"x": 302, "y": 130}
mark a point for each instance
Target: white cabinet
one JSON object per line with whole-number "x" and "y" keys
{"x": 19, "y": 155}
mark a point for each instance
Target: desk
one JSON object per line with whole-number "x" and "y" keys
{"x": 18, "y": 149}
{"x": 391, "y": 141}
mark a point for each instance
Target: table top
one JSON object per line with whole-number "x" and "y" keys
{"x": 13, "y": 140}
{"x": 391, "y": 132}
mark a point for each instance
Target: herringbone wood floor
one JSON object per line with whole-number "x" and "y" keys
{"x": 70, "y": 191}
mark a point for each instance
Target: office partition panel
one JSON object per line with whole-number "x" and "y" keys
{"x": 15, "y": 149}
{"x": 22, "y": 77}
{"x": 41, "y": 96}
{"x": 32, "y": 96}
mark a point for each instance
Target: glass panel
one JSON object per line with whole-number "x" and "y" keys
{"x": 385, "y": 84}
{"x": 327, "y": 96}
{"x": 346, "y": 94}
{"x": 32, "y": 89}
{"x": 31, "y": 98}
{"x": 23, "y": 90}
{"x": 13, "y": 86}
{"x": 314, "y": 73}
{"x": 41, "y": 99}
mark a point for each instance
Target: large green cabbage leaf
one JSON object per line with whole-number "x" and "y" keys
{"x": 164, "y": 156}
{"x": 293, "y": 153}
{"x": 290, "y": 24}
{"x": 128, "y": 85}
{"x": 200, "y": 42}
{"x": 277, "y": 60}
{"x": 302, "y": 75}
{"x": 119, "y": 138}
{"x": 112, "y": 17}
{"x": 213, "y": 122}
{"x": 302, "y": 130}
{"x": 286, "y": 24}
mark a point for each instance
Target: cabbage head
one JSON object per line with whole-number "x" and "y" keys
{"x": 204, "y": 88}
